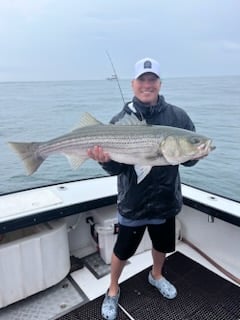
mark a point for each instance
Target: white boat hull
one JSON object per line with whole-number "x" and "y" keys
{"x": 209, "y": 222}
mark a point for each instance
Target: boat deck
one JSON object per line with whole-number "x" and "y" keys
{"x": 203, "y": 293}
{"x": 202, "y": 296}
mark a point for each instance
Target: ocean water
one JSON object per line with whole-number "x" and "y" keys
{"x": 38, "y": 111}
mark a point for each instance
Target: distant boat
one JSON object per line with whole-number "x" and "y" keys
{"x": 113, "y": 77}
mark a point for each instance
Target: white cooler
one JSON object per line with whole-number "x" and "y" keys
{"x": 105, "y": 226}
{"x": 32, "y": 259}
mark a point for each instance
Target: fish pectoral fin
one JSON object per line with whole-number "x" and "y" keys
{"x": 142, "y": 172}
{"x": 87, "y": 120}
{"x": 171, "y": 160}
{"x": 75, "y": 160}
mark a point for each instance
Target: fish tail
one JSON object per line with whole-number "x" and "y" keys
{"x": 28, "y": 152}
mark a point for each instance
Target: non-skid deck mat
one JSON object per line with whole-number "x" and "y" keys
{"x": 202, "y": 295}
{"x": 47, "y": 304}
{"x": 96, "y": 265}
{"x": 93, "y": 262}
{"x": 76, "y": 264}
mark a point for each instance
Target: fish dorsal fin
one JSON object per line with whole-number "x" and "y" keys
{"x": 132, "y": 120}
{"x": 87, "y": 120}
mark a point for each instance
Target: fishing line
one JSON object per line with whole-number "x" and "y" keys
{"x": 115, "y": 75}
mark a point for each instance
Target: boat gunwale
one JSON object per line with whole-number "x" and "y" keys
{"x": 207, "y": 204}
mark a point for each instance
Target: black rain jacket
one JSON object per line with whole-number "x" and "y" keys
{"x": 159, "y": 194}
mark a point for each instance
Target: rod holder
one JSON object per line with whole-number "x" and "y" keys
{"x": 210, "y": 219}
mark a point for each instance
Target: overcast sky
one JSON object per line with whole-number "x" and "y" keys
{"x": 67, "y": 39}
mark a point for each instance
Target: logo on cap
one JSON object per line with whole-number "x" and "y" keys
{"x": 147, "y": 64}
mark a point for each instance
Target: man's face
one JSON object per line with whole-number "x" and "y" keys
{"x": 146, "y": 88}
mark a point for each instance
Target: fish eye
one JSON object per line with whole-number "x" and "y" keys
{"x": 195, "y": 140}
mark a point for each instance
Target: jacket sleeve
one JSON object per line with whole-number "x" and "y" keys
{"x": 190, "y": 163}
{"x": 113, "y": 167}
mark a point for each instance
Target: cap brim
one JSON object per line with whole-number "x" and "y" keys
{"x": 146, "y": 71}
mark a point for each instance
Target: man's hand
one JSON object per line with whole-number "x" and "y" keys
{"x": 97, "y": 153}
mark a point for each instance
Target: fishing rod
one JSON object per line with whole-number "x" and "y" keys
{"x": 115, "y": 76}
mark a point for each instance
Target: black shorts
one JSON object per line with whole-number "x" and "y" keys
{"x": 129, "y": 238}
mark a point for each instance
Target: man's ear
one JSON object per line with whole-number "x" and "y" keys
{"x": 132, "y": 82}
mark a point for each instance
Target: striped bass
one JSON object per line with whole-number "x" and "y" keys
{"x": 130, "y": 141}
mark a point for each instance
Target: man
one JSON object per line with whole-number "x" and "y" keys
{"x": 154, "y": 202}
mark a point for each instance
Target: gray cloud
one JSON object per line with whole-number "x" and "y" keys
{"x": 67, "y": 39}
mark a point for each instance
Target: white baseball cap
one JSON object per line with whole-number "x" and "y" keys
{"x": 146, "y": 65}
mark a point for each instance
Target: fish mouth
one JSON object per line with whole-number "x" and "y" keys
{"x": 206, "y": 147}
